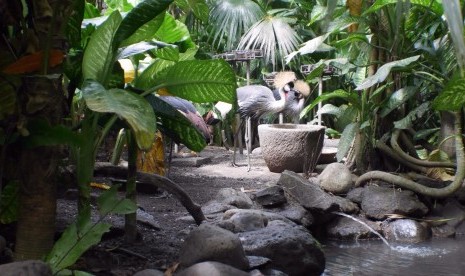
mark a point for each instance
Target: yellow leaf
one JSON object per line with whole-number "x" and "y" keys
{"x": 102, "y": 186}
{"x": 153, "y": 161}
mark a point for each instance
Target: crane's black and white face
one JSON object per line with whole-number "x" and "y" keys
{"x": 288, "y": 88}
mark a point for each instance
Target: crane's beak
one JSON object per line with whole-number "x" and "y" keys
{"x": 288, "y": 88}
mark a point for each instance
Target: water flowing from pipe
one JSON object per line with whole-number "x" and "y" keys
{"x": 367, "y": 226}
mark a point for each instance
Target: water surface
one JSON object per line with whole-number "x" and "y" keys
{"x": 436, "y": 257}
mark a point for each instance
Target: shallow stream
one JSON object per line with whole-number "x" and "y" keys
{"x": 438, "y": 257}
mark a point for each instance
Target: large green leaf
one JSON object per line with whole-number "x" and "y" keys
{"x": 434, "y": 5}
{"x": 172, "y": 30}
{"x": 452, "y": 98}
{"x": 109, "y": 202}
{"x": 201, "y": 81}
{"x": 144, "y": 12}
{"x": 383, "y": 72}
{"x": 99, "y": 54}
{"x": 397, "y": 99}
{"x": 73, "y": 25}
{"x": 168, "y": 53}
{"x": 176, "y": 125}
{"x": 350, "y": 97}
{"x": 146, "y": 79}
{"x": 134, "y": 109}
{"x": 138, "y": 48}
{"x": 198, "y": 7}
{"x": 413, "y": 115}
{"x": 145, "y": 32}
{"x": 74, "y": 241}
{"x": 346, "y": 140}
{"x": 314, "y": 45}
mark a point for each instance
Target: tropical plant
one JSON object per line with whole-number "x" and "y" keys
{"x": 92, "y": 67}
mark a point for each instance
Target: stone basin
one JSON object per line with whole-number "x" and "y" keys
{"x": 294, "y": 147}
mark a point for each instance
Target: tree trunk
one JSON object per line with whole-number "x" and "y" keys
{"x": 42, "y": 96}
{"x": 446, "y": 138}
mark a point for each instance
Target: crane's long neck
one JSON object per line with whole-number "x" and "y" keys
{"x": 278, "y": 106}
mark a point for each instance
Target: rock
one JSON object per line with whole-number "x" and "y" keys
{"x": 291, "y": 248}
{"x": 212, "y": 243}
{"x": 407, "y": 230}
{"x": 336, "y": 178}
{"x": 257, "y": 261}
{"x": 248, "y": 221}
{"x": 270, "y": 216}
{"x": 212, "y": 269}
{"x": 230, "y": 196}
{"x": 309, "y": 194}
{"x": 379, "y": 202}
{"x": 147, "y": 219}
{"x": 149, "y": 272}
{"x": 355, "y": 195}
{"x": 215, "y": 207}
{"x": 295, "y": 213}
{"x": 31, "y": 267}
{"x": 271, "y": 196}
{"x": 343, "y": 228}
{"x": 443, "y": 231}
{"x": 451, "y": 210}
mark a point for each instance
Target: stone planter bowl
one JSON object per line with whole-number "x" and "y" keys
{"x": 293, "y": 147}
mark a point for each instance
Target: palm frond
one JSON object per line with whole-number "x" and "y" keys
{"x": 231, "y": 18}
{"x": 274, "y": 36}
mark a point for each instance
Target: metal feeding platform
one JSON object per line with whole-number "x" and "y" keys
{"x": 327, "y": 71}
{"x": 240, "y": 55}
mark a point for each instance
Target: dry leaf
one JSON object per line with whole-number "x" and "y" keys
{"x": 32, "y": 63}
{"x": 153, "y": 161}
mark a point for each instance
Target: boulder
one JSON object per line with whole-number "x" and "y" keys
{"x": 344, "y": 228}
{"x": 407, "y": 230}
{"x": 296, "y": 213}
{"x": 309, "y": 194}
{"x": 291, "y": 248}
{"x": 379, "y": 202}
{"x": 336, "y": 178}
{"x": 232, "y": 197}
{"x": 31, "y": 267}
{"x": 269, "y": 216}
{"x": 212, "y": 269}
{"x": 270, "y": 196}
{"x": 212, "y": 243}
{"x": 248, "y": 221}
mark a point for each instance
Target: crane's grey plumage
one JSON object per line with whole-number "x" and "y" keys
{"x": 255, "y": 101}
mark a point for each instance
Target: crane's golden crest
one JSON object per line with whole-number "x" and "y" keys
{"x": 302, "y": 87}
{"x": 282, "y": 78}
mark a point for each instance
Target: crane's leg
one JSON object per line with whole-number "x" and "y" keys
{"x": 236, "y": 142}
{"x": 248, "y": 140}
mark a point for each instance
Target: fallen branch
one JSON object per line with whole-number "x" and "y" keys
{"x": 416, "y": 187}
{"x": 103, "y": 169}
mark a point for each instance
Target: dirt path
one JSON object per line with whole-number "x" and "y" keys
{"x": 159, "y": 248}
